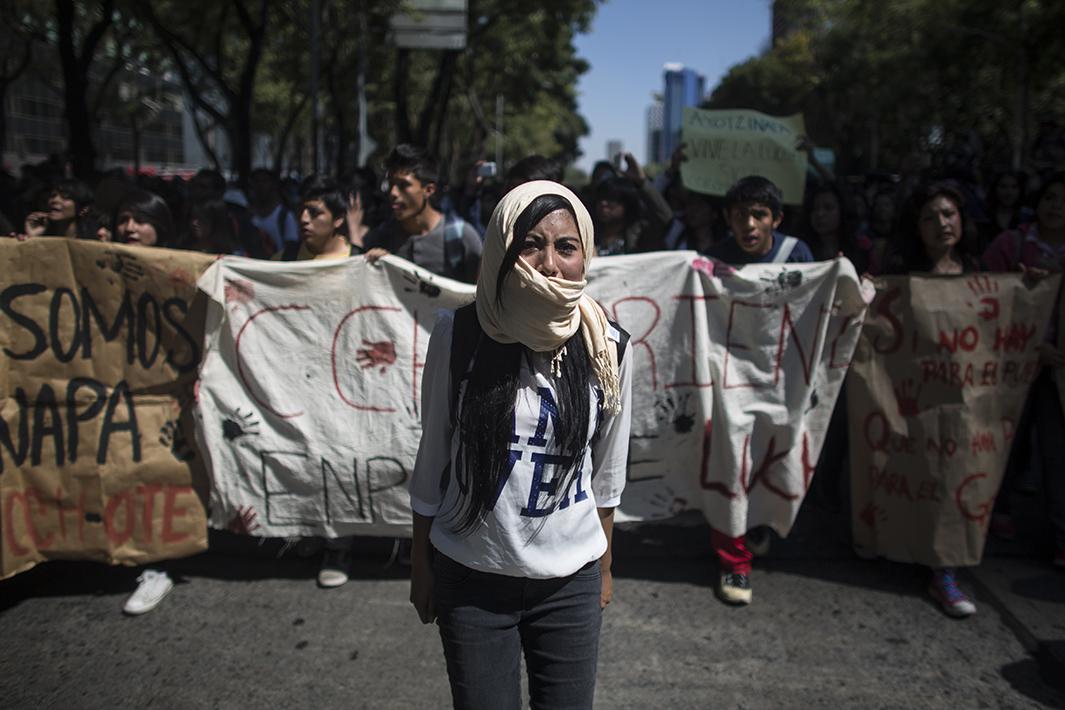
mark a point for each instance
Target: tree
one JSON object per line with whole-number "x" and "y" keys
{"x": 79, "y": 36}
{"x": 883, "y": 83}
{"x": 17, "y": 40}
{"x": 200, "y": 39}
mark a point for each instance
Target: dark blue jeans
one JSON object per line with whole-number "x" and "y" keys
{"x": 487, "y": 621}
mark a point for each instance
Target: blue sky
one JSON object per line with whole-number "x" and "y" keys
{"x": 629, "y": 42}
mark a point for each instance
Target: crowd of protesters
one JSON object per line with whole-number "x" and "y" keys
{"x": 947, "y": 221}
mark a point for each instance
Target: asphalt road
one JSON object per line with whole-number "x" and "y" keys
{"x": 246, "y": 629}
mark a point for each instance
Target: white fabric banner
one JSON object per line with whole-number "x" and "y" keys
{"x": 308, "y": 405}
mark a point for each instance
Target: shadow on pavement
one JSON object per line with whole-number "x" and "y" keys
{"x": 1031, "y": 678}
{"x": 230, "y": 557}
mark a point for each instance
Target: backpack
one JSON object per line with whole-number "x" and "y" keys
{"x": 466, "y": 335}
{"x": 454, "y": 247}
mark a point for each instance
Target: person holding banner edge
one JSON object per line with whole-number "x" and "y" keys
{"x": 522, "y": 460}
{"x": 1038, "y": 249}
{"x": 754, "y": 209}
{"x": 936, "y": 239}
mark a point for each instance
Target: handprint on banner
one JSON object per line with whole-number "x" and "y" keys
{"x": 172, "y": 436}
{"x": 784, "y": 281}
{"x": 245, "y": 522}
{"x": 122, "y": 264}
{"x": 675, "y": 410}
{"x": 240, "y": 424}
{"x": 906, "y": 395}
{"x": 382, "y": 352}
{"x": 872, "y": 514}
{"x": 665, "y": 499}
{"x": 423, "y": 287}
{"x": 983, "y": 286}
{"x": 239, "y": 291}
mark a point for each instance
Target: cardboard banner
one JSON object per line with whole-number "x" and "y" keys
{"x": 309, "y": 402}
{"x": 724, "y": 146}
{"x": 100, "y": 355}
{"x": 938, "y": 383}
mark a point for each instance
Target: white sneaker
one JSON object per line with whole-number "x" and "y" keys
{"x": 153, "y": 586}
{"x": 334, "y": 570}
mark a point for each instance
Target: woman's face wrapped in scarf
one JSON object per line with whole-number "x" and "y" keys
{"x": 530, "y": 290}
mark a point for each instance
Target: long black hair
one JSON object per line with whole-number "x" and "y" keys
{"x": 486, "y": 417}
{"x": 151, "y": 209}
{"x": 912, "y": 251}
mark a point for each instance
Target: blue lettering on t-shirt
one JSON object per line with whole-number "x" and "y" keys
{"x": 515, "y": 456}
{"x": 548, "y": 408}
{"x": 541, "y": 486}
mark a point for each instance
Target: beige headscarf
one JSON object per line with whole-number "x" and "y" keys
{"x": 539, "y": 312}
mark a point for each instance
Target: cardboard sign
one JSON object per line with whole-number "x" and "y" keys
{"x": 309, "y": 402}
{"x": 100, "y": 355}
{"x": 937, "y": 385}
{"x": 724, "y": 146}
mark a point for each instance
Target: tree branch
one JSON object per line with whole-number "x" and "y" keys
{"x": 88, "y": 48}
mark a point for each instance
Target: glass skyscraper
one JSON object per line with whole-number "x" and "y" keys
{"x": 683, "y": 87}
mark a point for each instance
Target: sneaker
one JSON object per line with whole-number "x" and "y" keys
{"x": 334, "y": 571}
{"x": 152, "y": 586}
{"x": 1002, "y": 526}
{"x": 758, "y": 541}
{"x": 734, "y": 588}
{"x": 951, "y": 598}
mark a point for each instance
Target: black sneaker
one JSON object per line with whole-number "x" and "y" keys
{"x": 734, "y": 588}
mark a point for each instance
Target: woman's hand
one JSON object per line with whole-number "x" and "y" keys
{"x": 633, "y": 171}
{"x": 36, "y": 223}
{"x": 421, "y": 586}
{"x": 606, "y": 592}
{"x": 679, "y": 156}
{"x": 1033, "y": 274}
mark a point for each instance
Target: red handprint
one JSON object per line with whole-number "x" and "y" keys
{"x": 906, "y": 395}
{"x": 244, "y": 522}
{"x": 983, "y": 286}
{"x": 382, "y": 352}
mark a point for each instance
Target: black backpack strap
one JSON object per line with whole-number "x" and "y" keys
{"x": 465, "y": 335}
{"x": 623, "y": 340}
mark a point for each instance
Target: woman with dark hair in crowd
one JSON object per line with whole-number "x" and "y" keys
{"x": 1038, "y": 249}
{"x": 1005, "y": 205}
{"x": 935, "y": 237}
{"x": 505, "y": 557}
{"x": 616, "y": 210}
{"x": 212, "y": 229}
{"x": 702, "y": 220}
{"x": 68, "y": 203}
{"x": 830, "y": 228}
{"x": 143, "y": 218}
{"x": 630, "y": 214}
{"x": 882, "y": 223}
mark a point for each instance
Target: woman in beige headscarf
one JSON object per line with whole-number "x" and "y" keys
{"x": 522, "y": 461}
